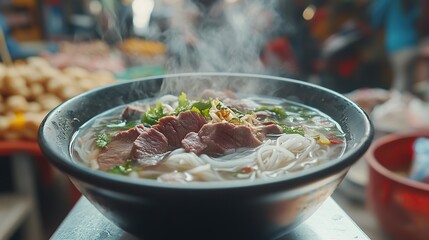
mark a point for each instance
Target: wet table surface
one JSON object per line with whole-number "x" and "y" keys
{"x": 329, "y": 222}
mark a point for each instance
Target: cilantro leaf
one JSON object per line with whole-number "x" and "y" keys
{"x": 152, "y": 116}
{"x": 202, "y": 107}
{"x": 183, "y": 100}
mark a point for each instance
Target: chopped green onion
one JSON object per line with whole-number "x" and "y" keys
{"x": 123, "y": 169}
{"x": 102, "y": 140}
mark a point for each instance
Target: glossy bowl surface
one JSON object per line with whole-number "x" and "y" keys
{"x": 400, "y": 204}
{"x": 263, "y": 209}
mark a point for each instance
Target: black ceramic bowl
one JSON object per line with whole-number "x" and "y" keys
{"x": 262, "y": 209}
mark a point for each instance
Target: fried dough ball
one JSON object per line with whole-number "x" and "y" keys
{"x": 16, "y": 85}
{"x": 4, "y": 123}
{"x": 17, "y": 103}
{"x": 49, "y": 101}
{"x": 30, "y": 89}
{"x": 54, "y": 85}
{"x": 76, "y": 72}
{"x": 87, "y": 84}
{"x": 36, "y": 89}
{"x": 34, "y": 107}
{"x": 2, "y": 105}
{"x": 33, "y": 120}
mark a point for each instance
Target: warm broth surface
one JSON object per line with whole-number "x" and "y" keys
{"x": 175, "y": 139}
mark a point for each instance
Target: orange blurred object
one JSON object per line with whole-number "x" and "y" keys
{"x": 18, "y": 121}
{"x": 400, "y": 204}
{"x": 319, "y": 25}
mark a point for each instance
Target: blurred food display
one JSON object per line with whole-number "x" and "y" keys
{"x": 135, "y": 46}
{"x": 139, "y": 52}
{"x": 369, "y": 98}
{"x": 392, "y": 111}
{"x": 31, "y": 88}
{"x": 91, "y": 55}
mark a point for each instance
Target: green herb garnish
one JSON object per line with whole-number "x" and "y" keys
{"x": 102, "y": 140}
{"x": 277, "y": 112}
{"x": 202, "y": 106}
{"x": 123, "y": 169}
{"x": 183, "y": 100}
{"x": 152, "y": 116}
{"x": 292, "y": 130}
{"x": 237, "y": 113}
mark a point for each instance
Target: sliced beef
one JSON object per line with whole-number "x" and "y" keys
{"x": 132, "y": 113}
{"x": 221, "y": 137}
{"x": 176, "y": 128}
{"x": 270, "y": 127}
{"x": 192, "y": 143}
{"x": 148, "y": 147}
{"x": 118, "y": 150}
{"x": 264, "y": 128}
{"x": 262, "y": 115}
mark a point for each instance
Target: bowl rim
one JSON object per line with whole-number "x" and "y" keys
{"x": 112, "y": 181}
{"x": 380, "y": 169}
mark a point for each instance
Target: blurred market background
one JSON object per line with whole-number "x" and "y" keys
{"x": 52, "y": 50}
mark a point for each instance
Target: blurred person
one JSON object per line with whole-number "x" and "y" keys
{"x": 14, "y": 48}
{"x": 18, "y": 50}
{"x": 423, "y": 24}
{"x": 400, "y": 18}
{"x": 278, "y": 55}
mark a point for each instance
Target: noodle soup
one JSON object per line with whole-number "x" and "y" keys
{"x": 178, "y": 139}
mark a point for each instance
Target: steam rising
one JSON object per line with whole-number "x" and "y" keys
{"x": 219, "y": 37}
{"x": 196, "y": 83}
{"x": 224, "y": 36}
{"x": 109, "y": 26}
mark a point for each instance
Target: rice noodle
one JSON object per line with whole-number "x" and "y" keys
{"x": 87, "y": 152}
{"x": 220, "y": 163}
{"x": 182, "y": 161}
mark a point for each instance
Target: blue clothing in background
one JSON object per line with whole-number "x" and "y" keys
{"x": 17, "y": 50}
{"x": 12, "y": 45}
{"x": 400, "y": 25}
